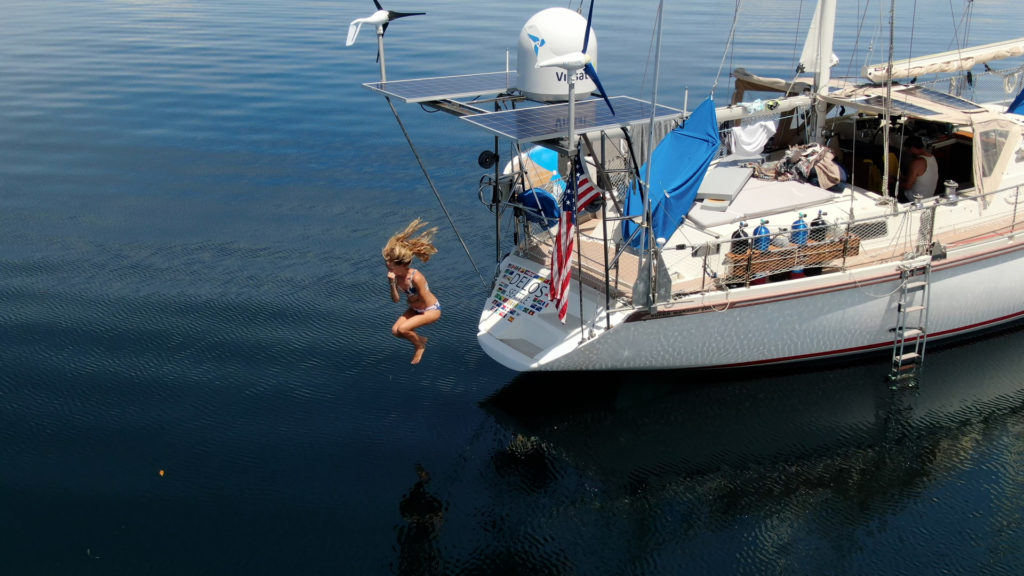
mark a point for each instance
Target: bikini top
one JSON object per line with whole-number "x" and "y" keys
{"x": 412, "y": 291}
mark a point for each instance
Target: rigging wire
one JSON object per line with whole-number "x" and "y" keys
{"x": 868, "y": 54}
{"x": 647, "y": 65}
{"x": 968, "y": 20}
{"x": 862, "y": 18}
{"x": 728, "y": 45}
{"x": 964, "y": 24}
{"x": 913, "y": 26}
{"x": 434, "y": 189}
{"x": 796, "y": 33}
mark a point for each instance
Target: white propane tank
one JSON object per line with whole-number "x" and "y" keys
{"x": 549, "y": 33}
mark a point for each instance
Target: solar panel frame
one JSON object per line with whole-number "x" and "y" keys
{"x": 547, "y": 122}
{"x": 417, "y": 90}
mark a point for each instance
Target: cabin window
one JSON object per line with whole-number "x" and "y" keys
{"x": 992, "y": 143}
{"x": 1019, "y": 156}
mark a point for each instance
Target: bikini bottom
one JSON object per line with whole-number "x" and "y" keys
{"x": 434, "y": 306}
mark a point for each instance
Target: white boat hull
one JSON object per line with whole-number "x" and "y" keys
{"x": 814, "y": 318}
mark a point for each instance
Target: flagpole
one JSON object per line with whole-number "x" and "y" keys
{"x": 579, "y": 247}
{"x": 573, "y": 152}
{"x": 561, "y": 255}
{"x": 648, "y": 223}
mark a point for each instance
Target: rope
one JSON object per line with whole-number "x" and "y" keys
{"x": 434, "y": 188}
{"x": 862, "y": 18}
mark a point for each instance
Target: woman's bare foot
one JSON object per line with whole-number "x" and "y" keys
{"x": 419, "y": 351}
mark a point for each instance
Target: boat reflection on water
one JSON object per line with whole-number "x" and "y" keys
{"x": 696, "y": 473}
{"x": 836, "y": 441}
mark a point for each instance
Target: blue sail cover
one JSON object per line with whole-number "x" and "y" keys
{"x": 678, "y": 165}
{"x": 1017, "y": 107}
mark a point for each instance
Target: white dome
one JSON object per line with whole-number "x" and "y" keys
{"x": 553, "y": 32}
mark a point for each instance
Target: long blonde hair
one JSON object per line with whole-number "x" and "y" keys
{"x": 402, "y": 247}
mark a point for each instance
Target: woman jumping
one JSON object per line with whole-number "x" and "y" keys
{"x": 423, "y": 305}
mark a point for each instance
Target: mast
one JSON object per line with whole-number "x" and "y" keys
{"x": 826, "y": 13}
{"x": 887, "y": 112}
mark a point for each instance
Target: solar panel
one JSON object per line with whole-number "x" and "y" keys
{"x": 446, "y": 87}
{"x": 551, "y": 121}
{"x": 937, "y": 97}
{"x": 897, "y": 106}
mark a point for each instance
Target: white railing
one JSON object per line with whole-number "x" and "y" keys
{"x": 788, "y": 254}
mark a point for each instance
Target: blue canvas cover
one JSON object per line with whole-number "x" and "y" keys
{"x": 1017, "y": 107}
{"x": 678, "y": 165}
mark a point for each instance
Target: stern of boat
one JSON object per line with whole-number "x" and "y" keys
{"x": 519, "y": 325}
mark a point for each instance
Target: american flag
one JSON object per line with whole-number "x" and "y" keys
{"x": 561, "y": 256}
{"x": 586, "y": 192}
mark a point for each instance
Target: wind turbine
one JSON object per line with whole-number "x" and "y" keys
{"x": 379, "y": 19}
{"x": 574, "y": 61}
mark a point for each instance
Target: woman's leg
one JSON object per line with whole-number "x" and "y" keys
{"x": 406, "y": 325}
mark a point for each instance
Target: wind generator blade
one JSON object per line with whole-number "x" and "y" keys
{"x": 353, "y": 31}
{"x": 392, "y": 15}
{"x": 586, "y": 36}
{"x": 396, "y": 15}
{"x": 378, "y": 18}
{"x": 589, "y": 68}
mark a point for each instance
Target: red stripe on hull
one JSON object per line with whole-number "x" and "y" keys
{"x": 872, "y": 347}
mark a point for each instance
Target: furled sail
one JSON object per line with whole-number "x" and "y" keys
{"x": 818, "y": 41}
{"x": 945, "y": 62}
{"x": 678, "y": 165}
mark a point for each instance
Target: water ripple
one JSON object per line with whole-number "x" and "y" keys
{"x": 196, "y": 372}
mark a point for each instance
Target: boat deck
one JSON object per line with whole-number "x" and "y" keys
{"x": 865, "y": 243}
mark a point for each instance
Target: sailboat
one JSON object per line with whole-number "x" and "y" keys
{"x": 763, "y": 232}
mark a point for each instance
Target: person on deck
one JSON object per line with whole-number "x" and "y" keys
{"x": 424, "y": 307}
{"x": 922, "y": 174}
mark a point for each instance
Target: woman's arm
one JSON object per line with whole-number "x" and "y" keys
{"x": 394, "y": 286}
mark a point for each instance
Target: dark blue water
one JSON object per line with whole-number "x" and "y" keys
{"x": 196, "y": 374}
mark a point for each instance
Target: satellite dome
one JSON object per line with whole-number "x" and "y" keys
{"x": 553, "y": 32}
